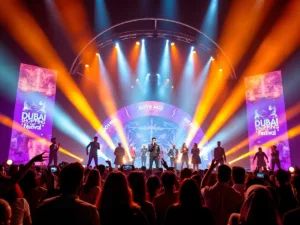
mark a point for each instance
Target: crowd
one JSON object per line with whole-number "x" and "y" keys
{"x": 74, "y": 195}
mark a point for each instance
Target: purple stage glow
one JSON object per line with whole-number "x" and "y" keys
{"x": 266, "y": 116}
{"x": 34, "y": 111}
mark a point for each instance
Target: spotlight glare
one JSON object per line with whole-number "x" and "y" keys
{"x": 167, "y": 41}
{"x": 132, "y": 86}
{"x": 221, "y": 70}
{"x": 97, "y": 54}
{"x": 172, "y": 86}
{"x": 117, "y": 45}
{"x": 212, "y": 58}
{"x": 168, "y": 80}
{"x": 172, "y": 43}
{"x": 157, "y": 74}
{"x": 143, "y": 40}
{"x": 192, "y": 48}
{"x": 148, "y": 74}
{"x": 86, "y": 65}
{"x": 137, "y": 43}
{"x": 194, "y": 51}
{"x": 9, "y": 162}
{"x": 137, "y": 80}
{"x": 292, "y": 169}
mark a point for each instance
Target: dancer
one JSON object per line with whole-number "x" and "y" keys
{"x": 185, "y": 156}
{"x": 173, "y": 153}
{"x": 94, "y": 146}
{"x": 54, "y": 147}
{"x": 195, "y": 157}
{"x": 143, "y": 154}
{"x": 132, "y": 154}
{"x": 219, "y": 154}
{"x": 261, "y": 163}
{"x": 154, "y": 150}
{"x": 275, "y": 158}
{"x": 119, "y": 153}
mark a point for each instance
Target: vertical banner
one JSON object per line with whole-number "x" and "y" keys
{"x": 34, "y": 109}
{"x": 266, "y": 116}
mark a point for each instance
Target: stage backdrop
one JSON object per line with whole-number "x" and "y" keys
{"x": 33, "y": 111}
{"x": 144, "y": 120}
{"x": 266, "y": 116}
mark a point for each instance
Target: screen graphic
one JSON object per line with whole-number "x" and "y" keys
{"x": 33, "y": 111}
{"x": 266, "y": 116}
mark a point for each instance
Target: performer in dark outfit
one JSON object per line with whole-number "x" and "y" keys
{"x": 94, "y": 146}
{"x": 53, "y": 152}
{"x": 185, "y": 156}
{"x": 144, "y": 151}
{"x": 219, "y": 154}
{"x": 261, "y": 163}
{"x": 119, "y": 153}
{"x": 154, "y": 150}
{"x": 173, "y": 153}
{"x": 275, "y": 158}
{"x": 195, "y": 157}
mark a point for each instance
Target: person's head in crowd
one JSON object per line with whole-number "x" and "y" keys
{"x": 153, "y": 140}
{"x": 189, "y": 194}
{"x": 282, "y": 177}
{"x": 49, "y": 179}
{"x": 143, "y": 168}
{"x": 185, "y": 173}
{"x": 71, "y": 178}
{"x": 168, "y": 180}
{"x": 14, "y": 193}
{"x": 137, "y": 184}
{"x": 116, "y": 193}
{"x": 238, "y": 175}
{"x": 295, "y": 182}
{"x": 224, "y": 173}
{"x": 101, "y": 169}
{"x": 195, "y": 172}
{"x": 260, "y": 149}
{"x": 13, "y": 169}
{"x": 259, "y": 207}
{"x": 153, "y": 185}
{"x": 119, "y": 144}
{"x": 158, "y": 173}
{"x": 5, "y": 212}
{"x": 86, "y": 174}
{"x": 28, "y": 183}
{"x": 2, "y": 171}
{"x": 93, "y": 180}
{"x": 198, "y": 179}
{"x": 253, "y": 180}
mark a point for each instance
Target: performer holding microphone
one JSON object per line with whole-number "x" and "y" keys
{"x": 154, "y": 150}
{"x": 94, "y": 146}
{"x": 54, "y": 147}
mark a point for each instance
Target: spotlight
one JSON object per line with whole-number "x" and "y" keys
{"x": 192, "y": 48}
{"x": 148, "y": 74}
{"x": 167, "y": 41}
{"x": 292, "y": 169}
{"x": 157, "y": 74}
{"x": 132, "y": 86}
{"x": 117, "y": 45}
{"x": 194, "y": 51}
{"x": 9, "y": 162}
{"x": 97, "y": 54}
{"x": 220, "y": 70}
{"x": 86, "y": 65}
{"x": 167, "y": 80}
{"x": 172, "y": 86}
{"x": 172, "y": 43}
{"x": 212, "y": 58}
{"x": 143, "y": 40}
{"x": 137, "y": 43}
{"x": 137, "y": 80}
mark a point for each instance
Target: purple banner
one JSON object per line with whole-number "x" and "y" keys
{"x": 266, "y": 116}
{"x": 34, "y": 111}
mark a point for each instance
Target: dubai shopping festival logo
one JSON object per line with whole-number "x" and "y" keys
{"x": 266, "y": 121}
{"x": 34, "y": 115}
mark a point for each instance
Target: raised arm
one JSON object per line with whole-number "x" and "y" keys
{"x": 206, "y": 177}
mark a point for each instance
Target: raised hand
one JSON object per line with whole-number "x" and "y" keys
{"x": 213, "y": 164}
{"x": 39, "y": 158}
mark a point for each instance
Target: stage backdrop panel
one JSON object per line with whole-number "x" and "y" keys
{"x": 266, "y": 116}
{"x": 33, "y": 111}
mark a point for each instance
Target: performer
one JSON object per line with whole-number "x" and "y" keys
{"x": 173, "y": 153}
{"x": 119, "y": 153}
{"x": 195, "y": 157}
{"x": 54, "y": 147}
{"x": 94, "y": 146}
{"x": 185, "y": 156}
{"x": 275, "y": 158}
{"x": 219, "y": 154}
{"x": 132, "y": 154}
{"x": 143, "y": 154}
{"x": 261, "y": 163}
{"x": 154, "y": 150}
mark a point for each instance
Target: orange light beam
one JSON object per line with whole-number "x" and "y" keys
{"x": 18, "y": 21}
{"x": 5, "y": 120}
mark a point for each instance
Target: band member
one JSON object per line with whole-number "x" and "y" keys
{"x": 154, "y": 150}
{"x": 195, "y": 157}
{"x": 173, "y": 153}
{"x": 275, "y": 158}
{"x": 143, "y": 154}
{"x": 261, "y": 163}
{"x": 54, "y": 147}
{"x": 219, "y": 154}
{"x": 94, "y": 146}
{"x": 119, "y": 153}
{"x": 132, "y": 154}
{"x": 185, "y": 156}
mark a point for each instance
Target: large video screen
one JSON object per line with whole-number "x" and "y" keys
{"x": 266, "y": 116}
{"x": 34, "y": 112}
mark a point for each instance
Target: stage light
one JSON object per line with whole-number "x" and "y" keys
{"x": 137, "y": 80}
{"x": 194, "y": 51}
{"x": 167, "y": 41}
{"x": 117, "y": 45}
{"x": 212, "y": 58}
{"x": 193, "y": 48}
{"x": 9, "y": 162}
{"x": 97, "y": 54}
{"x": 172, "y": 86}
{"x": 157, "y": 74}
{"x": 132, "y": 86}
{"x": 168, "y": 80}
{"x": 291, "y": 169}
{"x": 143, "y": 40}
{"x": 221, "y": 70}
{"x": 86, "y": 65}
{"x": 172, "y": 43}
{"x": 137, "y": 43}
{"x": 148, "y": 74}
